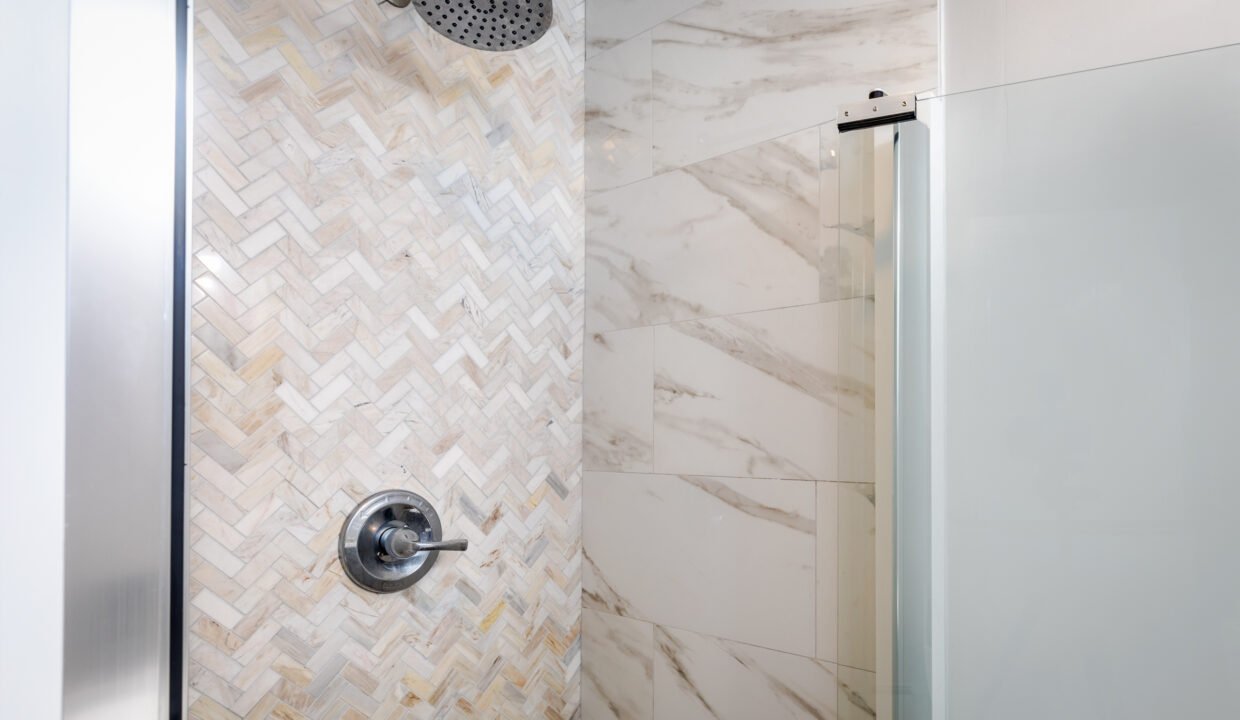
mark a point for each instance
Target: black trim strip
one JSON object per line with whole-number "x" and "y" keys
{"x": 876, "y": 121}
{"x": 176, "y": 635}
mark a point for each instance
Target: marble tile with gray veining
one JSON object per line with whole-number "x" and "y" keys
{"x": 856, "y": 390}
{"x": 388, "y": 262}
{"x": 618, "y": 425}
{"x": 617, "y": 666}
{"x": 857, "y": 698}
{"x": 855, "y": 644}
{"x": 829, "y": 264}
{"x": 618, "y": 130}
{"x": 734, "y": 234}
{"x": 728, "y": 74}
{"x": 611, "y": 22}
{"x": 850, "y": 217}
{"x": 827, "y": 554}
{"x": 665, "y": 549}
{"x": 696, "y": 676}
{"x": 749, "y": 395}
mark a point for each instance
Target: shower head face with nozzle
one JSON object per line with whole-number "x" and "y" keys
{"x": 495, "y": 25}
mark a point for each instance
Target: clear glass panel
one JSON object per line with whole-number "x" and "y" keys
{"x": 884, "y": 625}
{"x": 1087, "y": 376}
{"x": 855, "y": 633}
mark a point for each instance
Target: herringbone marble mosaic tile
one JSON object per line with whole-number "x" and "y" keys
{"x": 387, "y": 293}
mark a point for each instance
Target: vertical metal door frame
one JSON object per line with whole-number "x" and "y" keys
{"x": 899, "y": 180}
{"x": 911, "y": 518}
{"x": 178, "y": 637}
{"x": 125, "y": 310}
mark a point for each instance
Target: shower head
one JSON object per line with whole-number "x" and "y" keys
{"x": 485, "y": 24}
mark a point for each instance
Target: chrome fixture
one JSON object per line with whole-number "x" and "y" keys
{"x": 879, "y": 109}
{"x": 392, "y": 539}
{"x": 485, "y": 24}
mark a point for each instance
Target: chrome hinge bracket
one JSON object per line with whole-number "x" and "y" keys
{"x": 884, "y": 110}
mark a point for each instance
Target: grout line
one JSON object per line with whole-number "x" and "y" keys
{"x": 650, "y": 29}
{"x": 838, "y": 592}
{"x": 654, "y": 393}
{"x": 681, "y": 168}
{"x": 815, "y": 126}
{"x": 725, "y": 477}
{"x": 699, "y": 633}
{"x": 722, "y": 316}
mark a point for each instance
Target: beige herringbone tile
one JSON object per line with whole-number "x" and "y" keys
{"x": 387, "y": 292}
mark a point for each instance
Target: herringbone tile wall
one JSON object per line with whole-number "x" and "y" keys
{"x": 387, "y": 292}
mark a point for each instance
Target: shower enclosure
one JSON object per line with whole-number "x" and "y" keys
{"x": 1056, "y": 347}
{"x": 1035, "y": 384}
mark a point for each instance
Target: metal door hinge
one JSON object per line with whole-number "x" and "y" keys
{"x": 884, "y": 110}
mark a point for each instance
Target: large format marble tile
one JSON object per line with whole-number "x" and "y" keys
{"x": 703, "y": 677}
{"x": 829, "y": 265}
{"x": 729, "y": 74}
{"x": 618, "y": 129}
{"x": 619, "y": 400}
{"x": 856, "y": 390}
{"x": 858, "y": 694}
{"x": 734, "y": 234}
{"x": 851, "y": 172}
{"x": 856, "y": 631}
{"x": 617, "y": 663}
{"x": 732, "y": 558}
{"x": 846, "y": 184}
{"x": 827, "y": 556}
{"x": 749, "y": 395}
{"x": 611, "y": 22}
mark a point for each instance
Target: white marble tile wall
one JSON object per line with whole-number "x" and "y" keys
{"x": 749, "y": 395}
{"x": 639, "y": 670}
{"x": 848, "y": 211}
{"x": 993, "y": 42}
{"x": 611, "y": 22}
{"x": 729, "y": 73}
{"x": 618, "y": 432}
{"x": 652, "y": 629}
{"x": 618, "y": 680}
{"x": 703, "y": 677}
{"x": 618, "y": 123}
{"x": 694, "y": 80}
{"x": 728, "y": 524}
{"x": 855, "y": 645}
{"x": 826, "y": 556}
{"x": 736, "y": 233}
{"x": 704, "y": 553}
{"x": 855, "y": 391}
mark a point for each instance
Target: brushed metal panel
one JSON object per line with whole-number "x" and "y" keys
{"x": 122, "y": 144}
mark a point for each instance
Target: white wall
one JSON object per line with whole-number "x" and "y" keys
{"x": 34, "y": 56}
{"x": 993, "y": 42}
{"x": 1086, "y": 394}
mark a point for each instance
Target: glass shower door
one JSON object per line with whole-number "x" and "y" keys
{"x": 1065, "y": 375}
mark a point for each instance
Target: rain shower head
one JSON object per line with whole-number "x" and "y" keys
{"x": 485, "y": 24}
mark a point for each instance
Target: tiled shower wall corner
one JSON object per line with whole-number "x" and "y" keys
{"x": 728, "y": 502}
{"x": 387, "y": 293}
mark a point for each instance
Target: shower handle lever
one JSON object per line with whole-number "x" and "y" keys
{"x": 402, "y": 543}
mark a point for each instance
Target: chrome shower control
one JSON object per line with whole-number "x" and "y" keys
{"x": 401, "y": 543}
{"x": 391, "y": 539}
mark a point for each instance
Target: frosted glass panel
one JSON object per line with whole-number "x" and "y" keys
{"x": 1089, "y": 388}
